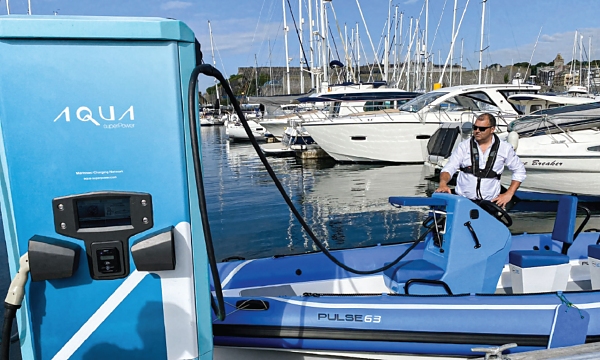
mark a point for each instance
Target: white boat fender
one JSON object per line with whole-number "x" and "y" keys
{"x": 513, "y": 139}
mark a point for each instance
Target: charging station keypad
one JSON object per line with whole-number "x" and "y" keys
{"x": 104, "y": 221}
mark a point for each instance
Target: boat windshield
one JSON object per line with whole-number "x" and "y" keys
{"x": 420, "y": 102}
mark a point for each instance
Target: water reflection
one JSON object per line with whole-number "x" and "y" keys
{"x": 346, "y": 205}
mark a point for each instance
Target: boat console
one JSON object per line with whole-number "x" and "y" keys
{"x": 465, "y": 252}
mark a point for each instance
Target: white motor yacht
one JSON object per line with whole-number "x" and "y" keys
{"x": 401, "y": 135}
{"x": 337, "y": 101}
{"x": 560, "y": 149}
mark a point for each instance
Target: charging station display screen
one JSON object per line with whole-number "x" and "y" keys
{"x": 103, "y": 212}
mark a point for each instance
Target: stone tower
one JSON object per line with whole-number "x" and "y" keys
{"x": 559, "y": 63}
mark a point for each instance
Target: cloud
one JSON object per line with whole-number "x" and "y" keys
{"x": 237, "y": 36}
{"x": 170, "y": 5}
{"x": 548, "y": 47}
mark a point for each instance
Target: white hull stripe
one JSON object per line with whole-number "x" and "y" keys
{"x": 100, "y": 315}
{"x": 483, "y": 307}
{"x": 234, "y": 272}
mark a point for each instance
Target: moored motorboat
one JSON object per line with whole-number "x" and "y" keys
{"x": 401, "y": 135}
{"x": 236, "y": 132}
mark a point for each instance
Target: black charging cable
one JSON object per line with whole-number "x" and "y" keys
{"x": 12, "y": 302}
{"x": 209, "y": 70}
{"x": 219, "y": 306}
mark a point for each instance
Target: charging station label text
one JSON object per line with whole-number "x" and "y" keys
{"x": 85, "y": 114}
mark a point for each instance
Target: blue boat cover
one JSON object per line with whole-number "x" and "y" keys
{"x": 564, "y": 225}
{"x": 534, "y": 258}
{"x": 594, "y": 251}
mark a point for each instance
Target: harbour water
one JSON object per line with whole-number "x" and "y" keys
{"x": 346, "y": 205}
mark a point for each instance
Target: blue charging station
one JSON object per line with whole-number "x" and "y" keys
{"x": 97, "y": 187}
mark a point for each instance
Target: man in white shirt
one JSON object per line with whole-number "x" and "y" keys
{"x": 489, "y": 154}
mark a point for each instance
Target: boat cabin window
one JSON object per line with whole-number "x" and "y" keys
{"x": 378, "y": 105}
{"x": 480, "y": 102}
{"x": 420, "y": 102}
{"x": 594, "y": 148}
{"x": 535, "y": 108}
{"x": 335, "y": 109}
{"x": 520, "y": 109}
{"x": 451, "y": 105}
{"x": 468, "y": 102}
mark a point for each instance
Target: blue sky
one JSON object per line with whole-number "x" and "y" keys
{"x": 243, "y": 29}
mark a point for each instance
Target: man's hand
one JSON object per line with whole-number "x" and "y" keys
{"x": 444, "y": 189}
{"x": 503, "y": 199}
{"x": 444, "y": 178}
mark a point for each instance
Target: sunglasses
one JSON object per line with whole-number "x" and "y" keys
{"x": 481, "y": 128}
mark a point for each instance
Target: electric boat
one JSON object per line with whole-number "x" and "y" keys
{"x": 401, "y": 135}
{"x": 464, "y": 282}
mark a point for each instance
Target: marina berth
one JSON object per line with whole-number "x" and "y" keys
{"x": 401, "y": 135}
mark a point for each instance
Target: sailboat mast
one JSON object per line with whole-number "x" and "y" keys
{"x": 324, "y": 43}
{"x": 395, "y": 46}
{"x": 425, "y": 45}
{"x": 589, "y": 65}
{"x": 462, "y": 41}
{"x": 481, "y": 42}
{"x": 270, "y": 69}
{"x": 580, "y": 57}
{"x": 417, "y": 56}
{"x": 256, "y": 73}
{"x": 311, "y": 44}
{"x": 452, "y": 44}
{"x": 386, "y": 43}
{"x": 28, "y": 7}
{"x": 287, "y": 55}
{"x": 301, "y": 26}
{"x": 7, "y": 8}
{"x": 212, "y": 50}
{"x": 369, "y": 36}
{"x": 357, "y": 54}
{"x": 410, "y": 39}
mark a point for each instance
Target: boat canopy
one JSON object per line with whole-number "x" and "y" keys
{"x": 574, "y": 117}
{"x": 364, "y": 96}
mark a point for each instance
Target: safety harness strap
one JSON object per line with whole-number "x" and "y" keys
{"x": 487, "y": 171}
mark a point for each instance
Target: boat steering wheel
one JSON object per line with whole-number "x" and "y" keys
{"x": 496, "y": 211}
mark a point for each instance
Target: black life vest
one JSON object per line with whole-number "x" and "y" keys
{"x": 486, "y": 172}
